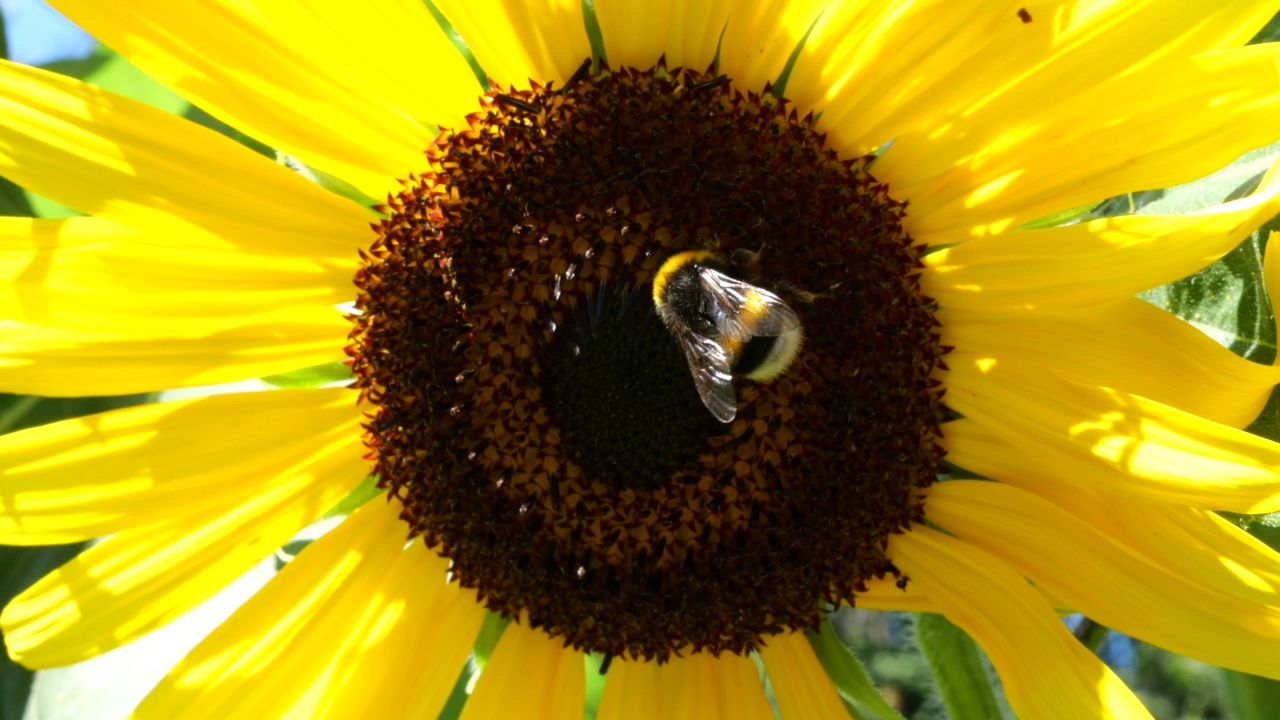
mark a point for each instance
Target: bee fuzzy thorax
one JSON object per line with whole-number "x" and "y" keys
{"x": 726, "y": 325}
{"x": 683, "y": 268}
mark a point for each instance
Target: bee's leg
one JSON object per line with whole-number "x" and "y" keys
{"x": 746, "y": 260}
{"x": 794, "y": 294}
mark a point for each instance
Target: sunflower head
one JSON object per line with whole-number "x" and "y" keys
{"x": 540, "y": 424}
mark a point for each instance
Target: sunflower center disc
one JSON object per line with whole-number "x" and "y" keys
{"x": 540, "y": 425}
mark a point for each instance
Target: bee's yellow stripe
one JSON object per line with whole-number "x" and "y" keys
{"x": 674, "y": 263}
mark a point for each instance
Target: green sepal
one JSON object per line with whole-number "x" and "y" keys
{"x": 1060, "y": 218}
{"x": 591, "y": 664}
{"x": 594, "y": 36}
{"x": 851, "y": 681}
{"x": 780, "y": 85}
{"x": 332, "y": 183}
{"x": 364, "y": 492}
{"x": 490, "y": 633}
{"x": 486, "y": 640}
{"x": 312, "y": 377}
{"x": 957, "y": 668}
{"x": 459, "y": 44}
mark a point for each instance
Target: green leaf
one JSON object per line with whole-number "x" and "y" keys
{"x": 311, "y": 377}
{"x": 1252, "y": 697}
{"x": 847, "y": 674}
{"x": 13, "y": 200}
{"x": 1267, "y": 424}
{"x": 1226, "y": 301}
{"x": 1269, "y": 33}
{"x": 24, "y": 411}
{"x": 1235, "y": 180}
{"x": 20, "y": 567}
{"x": 957, "y": 668}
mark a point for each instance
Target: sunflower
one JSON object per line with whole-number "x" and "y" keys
{"x": 542, "y": 448}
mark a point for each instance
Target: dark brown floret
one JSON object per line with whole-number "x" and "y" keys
{"x": 542, "y": 430}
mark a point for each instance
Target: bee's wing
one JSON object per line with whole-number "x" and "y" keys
{"x": 734, "y": 304}
{"x": 712, "y": 373}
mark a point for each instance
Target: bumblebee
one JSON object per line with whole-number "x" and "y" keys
{"x": 726, "y": 326}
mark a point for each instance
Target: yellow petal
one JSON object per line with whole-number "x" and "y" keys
{"x": 57, "y": 363}
{"x": 695, "y": 687}
{"x": 867, "y": 61}
{"x": 404, "y": 656}
{"x": 754, "y": 40}
{"x": 142, "y": 578}
{"x": 91, "y": 476}
{"x": 1128, "y": 344}
{"x": 880, "y": 70}
{"x": 120, "y": 159}
{"x": 630, "y": 691}
{"x": 1045, "y": 672}
{"x": 1108, "y": 582}
{"x": 530, "y": 675}
{"x": 884, "y": 594}
{"x": 293, "y": 80}
{"x": 1126, "y": 442}
{"x": 800, "y": 684}
{"x": 339, "y": 603}
{"x": 94, "y": 307}
{"x": 1187, "y": 542}
{"x": 91, "y": 273}
{"x": 1095, "y": 262}
{"x": 394, "y": 49}
{"x": 637, "y": 34}
{"x": 516, "y": 41}
{"x": 759, "y": 37}
{"x": 1202, "y": 547}
{"x": 1169, "y": 123}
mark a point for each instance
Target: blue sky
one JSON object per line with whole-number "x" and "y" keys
{"x": 38, "y": 34}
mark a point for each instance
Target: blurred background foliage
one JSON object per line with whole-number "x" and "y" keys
{"x": 1227, "y": 301}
